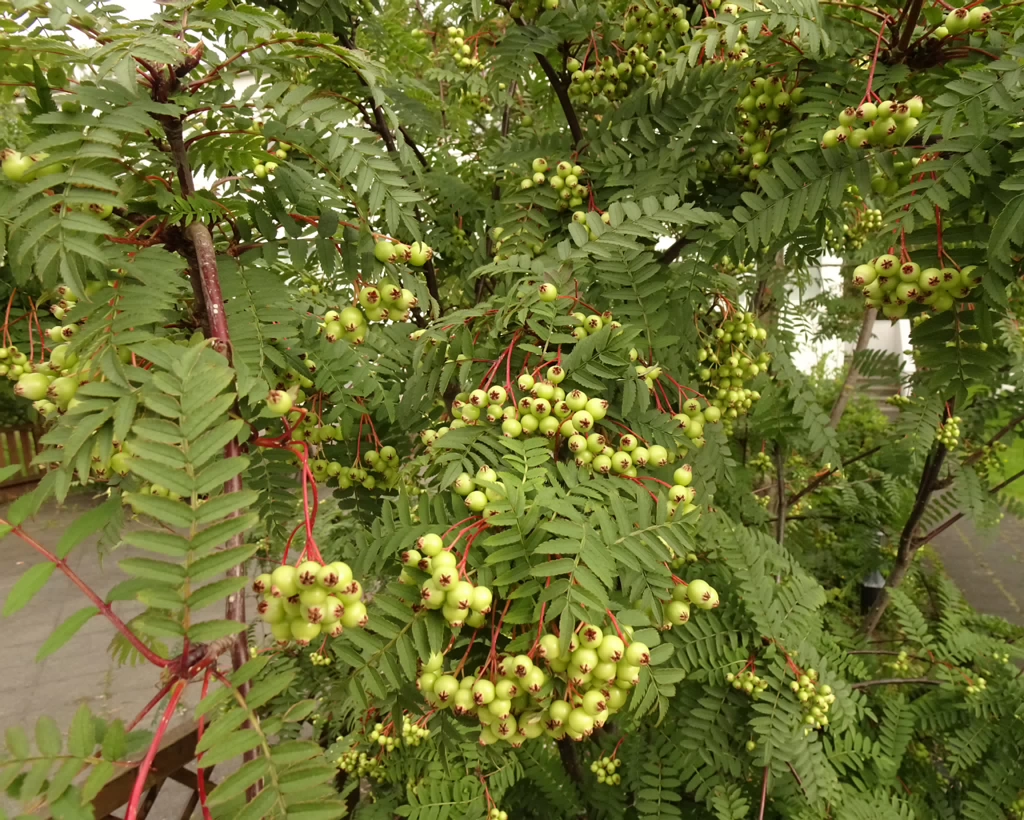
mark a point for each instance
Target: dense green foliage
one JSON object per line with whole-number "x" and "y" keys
{"x": 466, "y": 332}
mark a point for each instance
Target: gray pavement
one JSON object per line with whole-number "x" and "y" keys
{"x": 82, "y": 671}
{"x": 987, "y": 565}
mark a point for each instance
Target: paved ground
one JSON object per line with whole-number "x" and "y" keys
{"x": 988, "y": 566}
{"x": 82, "y": 671}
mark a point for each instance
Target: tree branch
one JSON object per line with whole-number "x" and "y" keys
{"x": 415, "y": 148}
{"x": 561, "y": 89}
{"x": 852, "y": 375}
{"x": 866, "y": 684}
{"x": 909, "y": 23}
{"x": 945, "y": 525}
{"x": 672, "y": 251}
{"x": 908, "y": 544}
{"x": 976, "y": 457}
{"x": 571, "y": 762}
{"x": 430, "y": 274}
{"x": 780, "y": 492}
{"x": 562, "y": 92}
{"x": 104, "y": 608}
{"x": 821, "y": 478}
{"x": 173, "y": 129}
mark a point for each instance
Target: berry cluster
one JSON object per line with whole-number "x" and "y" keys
{"x": 584, "y": 218}
{"x": 963, "y": 19}
{"x": 651, "y": 23}
{"x": 417, "y": 254}
{"x": 319, "y": 659}
{"x": 976, "y": 688}
{"x": 448, "y": 589}
{"x": 18, "y": 167}
{"x": 815, "y": 700}
{"x": 892, "y": 285}
{"x": 413, "y": 734}
{"x": 727, "y": 361}
{"x": 763, "y": 112}
{"x": 887, "y": 123}
{"x": 384, "y": 462}
{"x": 52, "y": 385}
{"x": 948, "y": 433}
{"x": 571, "y": 421}
{"x": 516, "y": 700}
{"x": 307, "y": 427}
{"x": 566, "y": 181}
{"x": 609, "y": 80}
{"x": 890, "y": 186}
{"x": 374, "y": 303}
{"x": 361, "y": 765}
{"x": 519, "y": 240}
{"x": 530, "y": 10}
{"x": 748, "y": 681}
{"x": 901, "y": 663}
{"x": 861, "y": 224}
{"x": 301, "y": 602}
{"x": 738, "y": 52}
{"x": 991, "y": 459}
{"x": 734, "y": 268}
{"x": 605, "y": 768}
{"x": 697, "y": 592}
{"x": 263, "y": 168}
{"x": 462, "y": 53}
{"x": 495, "y": 813}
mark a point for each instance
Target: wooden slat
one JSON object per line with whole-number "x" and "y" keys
{"x": 20, "y": 445}
{"x": 27, "y": 452}
{"x": 176, "y": 752}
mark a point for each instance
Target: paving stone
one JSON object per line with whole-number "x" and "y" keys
{"x": 987, "y": 565}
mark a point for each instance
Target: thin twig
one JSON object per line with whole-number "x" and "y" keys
{"x": 672, "y": 251}
{"x": 908, "y": 545}
{"x": 780, "y": 493}
{"x": 764, "y": 794}
{"x": 105, "y": 609}
{"x": 132, "y": 812}
{"x": 945, "y": 525}
{"x": 818, "y": 480}
{"x": 415, "y": 148}
{"x": 866, "y": 684}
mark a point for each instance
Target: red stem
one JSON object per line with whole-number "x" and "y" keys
{"x": 618, "y": 629}
{"x": 200, "y": 769}
{"x": 98, "y": 602}
{"x": 159, "y": 696}
{"x": 147, "y": 762}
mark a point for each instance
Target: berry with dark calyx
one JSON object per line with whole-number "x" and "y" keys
{"x": 279, "y": 402}
{"x": 637, "y": 654}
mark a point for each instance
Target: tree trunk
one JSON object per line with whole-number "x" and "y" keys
{"x": 852, "y": 375}
{"x": 908, "y": 544}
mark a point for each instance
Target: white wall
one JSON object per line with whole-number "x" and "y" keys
{"x": 886, "y": 335}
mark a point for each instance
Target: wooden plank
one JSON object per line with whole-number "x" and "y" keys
{"x": 5, "y": 448}
{"x": 20, "y": 445}
{"x": 27, "y": 452}
{"x": 176, "y": 752}
{"x": 194, "y": 799}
